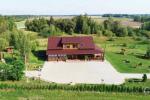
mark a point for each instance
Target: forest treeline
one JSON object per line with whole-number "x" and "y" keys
{"x": 84, "y": 25}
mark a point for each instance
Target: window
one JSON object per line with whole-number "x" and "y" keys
{"x": 67, "y": 46}
{"x": 74, "y": 46}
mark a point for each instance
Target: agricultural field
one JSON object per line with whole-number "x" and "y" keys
{"x": 124, "y": 21}
{"x": 131, "y": 23}
{"x": 60, "y": 94}
{"x": 67, "y": 95}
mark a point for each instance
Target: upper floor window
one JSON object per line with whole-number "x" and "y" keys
{"x": 70, "y": 46}
{"x": 75, "y": 46}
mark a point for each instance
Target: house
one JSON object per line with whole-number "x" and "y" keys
{"x": 63, "y": 48}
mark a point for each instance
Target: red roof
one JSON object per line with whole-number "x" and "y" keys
{"x": 86, "y": 45}
{"x": 71, "y": 40}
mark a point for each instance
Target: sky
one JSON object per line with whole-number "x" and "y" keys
{"x": 69, "y": 7}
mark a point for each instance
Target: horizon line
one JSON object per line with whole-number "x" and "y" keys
{"x": 71, "y": 14}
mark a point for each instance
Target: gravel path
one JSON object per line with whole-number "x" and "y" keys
{"x": 91, "y": 72}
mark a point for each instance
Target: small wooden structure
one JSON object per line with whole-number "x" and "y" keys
{"x": 10, "y": 49}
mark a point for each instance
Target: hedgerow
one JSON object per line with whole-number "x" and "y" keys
{"x": 77, "y": 87}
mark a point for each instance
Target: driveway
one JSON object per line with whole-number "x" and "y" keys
{"x": 90, "y": 72}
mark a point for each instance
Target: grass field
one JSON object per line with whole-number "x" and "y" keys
{"x": 20, "y": 25}
{"x": 67, "y": 95}
{"x": 138, "y": 84}
{"x": 134, "y": 52}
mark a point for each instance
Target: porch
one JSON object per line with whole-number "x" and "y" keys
{"x": 89, "y": 57}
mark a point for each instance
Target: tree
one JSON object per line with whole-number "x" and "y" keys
{"x": 6, "y": 24}
{"x": 3, "y": 25}
{"x": 66, "y": 25}
{"x": 147, "y": 55}
{"x": 124, "y": 32}
{"x": 94, "y": 27}
{"x": 144, "y": 78}
{"x": 3, "y": 45}
{"x": 131, "y": 31}
{"x": 4, "y": 71}
{"x": 16, "y": 71}
{"x": 85, "y": 28}
{"x": 116, "y": 26}
{"x": 11, "y": 25}
{"x": 146, "y": 26}
{"x": 22, "y": 42}
{"x": 36, "y": 25}
{"x": 99, "y": 33}
{"x": 51, "y": 21}
{"x": 79, "y": 23}
{"x": 108, "y": 24}
{"x": 108, "y": 33}
{"x": 145, "y": 33}
{"x": 70, "y": 26}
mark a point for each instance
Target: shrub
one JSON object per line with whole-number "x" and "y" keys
{"x": 78, "y": 87}
{"x": 111, "y": 39}
{"x": 144, "y": 78}
{"x": 123, "y": 50}
{"x": 124, "y": 45}
{"x": 147, "y": 55}
{"x": 12, "y": 72}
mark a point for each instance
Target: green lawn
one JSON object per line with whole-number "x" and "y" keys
{"x": 67, "y": 95}
{"x": 137, "y": 84}
{"x": 117, "y": 60}
{"x": 134, "y": 52}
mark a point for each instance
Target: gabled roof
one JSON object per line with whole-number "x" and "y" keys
{"x": 70, "y": 40}
{"x": 86, "y": 45}
{"x": 85, "y": 42}
{"x": 54, "y": 43}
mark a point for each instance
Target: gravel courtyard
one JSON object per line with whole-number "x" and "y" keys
{"x": 91, "y": 72}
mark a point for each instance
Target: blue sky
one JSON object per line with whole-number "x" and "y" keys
{"x": 58, "y": 7}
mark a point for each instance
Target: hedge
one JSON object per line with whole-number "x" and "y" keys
{"x": 78, "y": 87}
